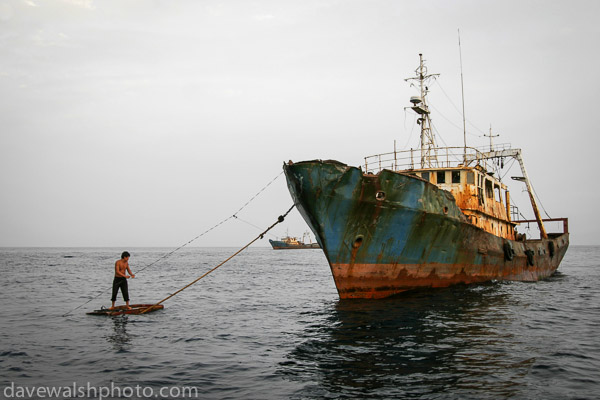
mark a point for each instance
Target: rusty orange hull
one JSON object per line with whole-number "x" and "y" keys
{"x": 387, "y": 233}
{"x": 382, "y": 280}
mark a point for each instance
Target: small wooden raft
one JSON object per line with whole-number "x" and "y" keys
{"x": 120, "y": 310}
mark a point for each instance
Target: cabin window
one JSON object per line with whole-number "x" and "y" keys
{"x": 455, "y": 176}
{"x": 498, "y": 193}
{"x": 489, "y": 191}
{"x": 441, "y": 177}
{"x": 471, "y": 178}
{"x": 425, "y": 175}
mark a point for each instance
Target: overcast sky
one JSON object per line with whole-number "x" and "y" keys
{"x": 144, "y": 123}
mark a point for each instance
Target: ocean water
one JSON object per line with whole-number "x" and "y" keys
{"x": 269, "y": 325}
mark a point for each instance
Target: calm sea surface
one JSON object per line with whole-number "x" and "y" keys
{"x": 269, "y": 325}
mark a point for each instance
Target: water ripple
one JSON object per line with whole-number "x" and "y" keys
{"x": 270, "y": 325}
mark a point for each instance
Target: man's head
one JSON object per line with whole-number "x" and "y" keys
{"x": 125, "y": 255}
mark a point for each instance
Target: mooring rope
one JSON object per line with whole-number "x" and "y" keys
{"x": 187, "y": 243}
{"x": 279, "y": 220}
{"x": 215, "y": 226}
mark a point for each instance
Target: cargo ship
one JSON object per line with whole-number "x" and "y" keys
{"x": 292, "y": 243}
{"x": 430, "y": 217}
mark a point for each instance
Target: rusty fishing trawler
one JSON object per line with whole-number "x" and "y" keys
{"x": 431, "y": 217}
{"x": 293, "y": 243}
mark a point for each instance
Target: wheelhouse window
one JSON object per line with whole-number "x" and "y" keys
{"x": 489, "y": 191}
{"x": 455, "y": 176}
{"x": 441, "y": 177}
{"x": 470, "y": 178}
{"x": 425, "y": 175}
{"x": 498, "y": 193}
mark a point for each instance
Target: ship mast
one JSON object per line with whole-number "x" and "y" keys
{"x": 491, "y": 138}
{"x": 428, "y": 156}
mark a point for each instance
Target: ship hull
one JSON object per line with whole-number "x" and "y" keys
{"x": 391, "y": 232}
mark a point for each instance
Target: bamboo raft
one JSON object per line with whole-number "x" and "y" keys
{"x": 121, "y": 310}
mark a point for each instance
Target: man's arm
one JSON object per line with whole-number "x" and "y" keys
{"x": 129, "y": 270}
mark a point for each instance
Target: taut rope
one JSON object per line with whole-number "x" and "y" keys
{"x": 279, "y": 220}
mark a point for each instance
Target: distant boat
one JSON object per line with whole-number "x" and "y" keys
{"x": 291, "y": 243}
{"x": 430, "y": 217}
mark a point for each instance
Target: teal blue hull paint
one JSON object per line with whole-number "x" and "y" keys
{"x": 337, "y": 218}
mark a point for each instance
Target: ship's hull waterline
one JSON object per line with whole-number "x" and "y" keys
{"x": 391, "y": 232}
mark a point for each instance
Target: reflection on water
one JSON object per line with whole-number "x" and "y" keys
{"x": 425, "y": 342}
{"x": 119, "y": 339}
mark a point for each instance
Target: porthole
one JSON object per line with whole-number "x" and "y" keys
{"x": 380, "y": 195}
{"x": 358, "y": 241}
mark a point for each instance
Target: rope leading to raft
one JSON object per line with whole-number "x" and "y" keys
{"x": 280, "y": 219}
{"x": 234, "y": 216}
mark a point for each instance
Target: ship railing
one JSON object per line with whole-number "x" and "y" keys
{"x": 495, "y": 147}
{"x": 565, "y": 223}
{"x": 437, "y": 157}
{"x": 514, "y": 212}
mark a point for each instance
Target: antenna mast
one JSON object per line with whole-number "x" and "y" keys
{"x": 491, "y": 138}
{"x": 420, "y": 107}
{"x": 462, "y": 88}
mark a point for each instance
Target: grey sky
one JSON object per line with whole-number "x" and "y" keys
{"x": 143, "y": 123}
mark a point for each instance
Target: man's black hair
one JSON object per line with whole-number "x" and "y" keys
{"x": 125, "y": 254}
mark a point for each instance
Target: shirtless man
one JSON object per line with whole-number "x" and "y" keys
{"x": 120, "y": 281}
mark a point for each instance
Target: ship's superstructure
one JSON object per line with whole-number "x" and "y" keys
{"x": 434, "y": 216}
{"x": 290, "y": 243}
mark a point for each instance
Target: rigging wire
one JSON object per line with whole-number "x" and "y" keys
{"x": 539, "y": 201}
{"x": 215, "y": 226}
{"x": 187, "y": 243}
{"x": 508, "y": 167}
{"x": 259, "y": 192}
{"x": 448, "y": 97}
{"x": 437, "y": 134}
{"x": 412, "y": 128}
{"x": 450, "y": 121}
{"x": 251, "y": 224}
{"x": 459, "y": 112}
